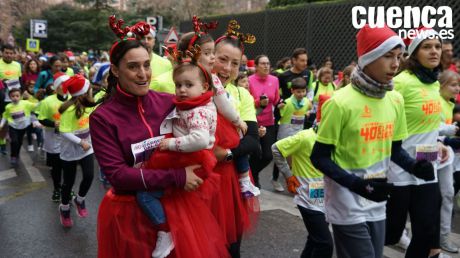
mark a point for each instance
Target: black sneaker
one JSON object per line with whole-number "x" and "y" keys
{"x": 56, "y": 197}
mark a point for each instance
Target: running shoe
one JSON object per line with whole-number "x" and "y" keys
{"x": 56, "y": 197}
{"x": 277, "y": 186}
{"x": 404, "y": 241}
{"x": 66, "y": 220}
{"x": 82, "y": 212}
{"x": 164, "y": 245}
{"x": 248, "y": 189}
{"x": 447, "y": 245}
{"x": 14, "y": 161}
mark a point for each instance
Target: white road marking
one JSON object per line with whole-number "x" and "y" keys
{"x": 33, "y": 172}
{"x": 7, "y": 174}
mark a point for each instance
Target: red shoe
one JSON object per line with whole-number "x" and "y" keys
{"x": 66, "y": 220}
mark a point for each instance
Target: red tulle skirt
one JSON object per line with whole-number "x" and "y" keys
{"x": 124, "y": 231}
{"x": 234, "y": 214}
{"x": 172, "y": 159}
{"x": 205, "y": 158}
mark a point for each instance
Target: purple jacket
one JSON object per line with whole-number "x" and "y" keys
{"x": 124, "y": 120}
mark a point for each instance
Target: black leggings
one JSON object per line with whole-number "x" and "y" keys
{"x": 16, "y": 136}
{"x": 70, "y": 173}
{"x": 55, "y": 162}
{"x": 456, "y": 182}
{"x": 258, "y": 163}
{"x": 423, "y": 203}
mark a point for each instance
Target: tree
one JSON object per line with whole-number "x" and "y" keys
{"x": 72, "y": 28}
{"x": 278, "y": 3}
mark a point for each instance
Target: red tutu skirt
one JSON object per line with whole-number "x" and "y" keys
{"x": 205, "y": 158}
{"x": 234, "y": 214}
{"x": 122, "y": 228}
{"x": 124, "y": 231}
{"x": 172, "y": 159}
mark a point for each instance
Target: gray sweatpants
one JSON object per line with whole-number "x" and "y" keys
{"x": 363, "y": 240}
{"x": 446, "y": 185}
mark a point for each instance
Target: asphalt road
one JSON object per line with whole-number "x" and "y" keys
{"x": 29, "y": 220}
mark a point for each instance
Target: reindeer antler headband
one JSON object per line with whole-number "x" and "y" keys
{"x": 137, "y": 31}
{"x": 190, "y": 56}
{"x": 200, "y": 28}
{"x": 232, "y": 32}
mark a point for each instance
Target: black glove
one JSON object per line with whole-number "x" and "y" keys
{"x": 376, "y": 189}
{"x": 423, "y": 169}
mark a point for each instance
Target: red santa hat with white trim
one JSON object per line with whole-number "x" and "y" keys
{"x": 422, "y": 34}
{"x": 372, "y": 43}
{"x": 59, "y": 78}
{"x": 76, "y": 85}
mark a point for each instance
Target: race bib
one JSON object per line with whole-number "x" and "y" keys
{"x": 427, "y": 152}
{"x": 366, "y": 202}
{"x": 167, "y": 124}
{"x": 12, "y": 84}
{"x": 316, "y": 190}
{"x": 297, "y": 120}
{"x": 18, "y": 116}
{"x": 144, "y": 149}
{"x": 82, "y": 134}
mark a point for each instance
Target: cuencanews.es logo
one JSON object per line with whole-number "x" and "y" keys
{"x": 405, "y": 19}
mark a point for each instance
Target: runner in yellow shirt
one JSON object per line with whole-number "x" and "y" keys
{"x": 361, "y": 130}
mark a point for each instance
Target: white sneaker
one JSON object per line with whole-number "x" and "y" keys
{"x": 277, "y": 186}
{"x": 164, "y": 245}
{"x": 404, "y": 241}
{"x": 248, "y": 189}
{"x": 443, "y": 255}
{"x": 30, "y": 148}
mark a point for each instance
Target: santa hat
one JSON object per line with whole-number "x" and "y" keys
{"x": 251, "y": 63}
{"x": 76, "y": 86}
{"x": 372, "y": 43}
{"x": 59, "y": 78}
{"x": 422, "y": 34}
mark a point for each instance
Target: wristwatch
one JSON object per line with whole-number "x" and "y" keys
{"x": 229, "y": 156}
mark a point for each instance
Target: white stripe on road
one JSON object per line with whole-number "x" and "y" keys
{"x": 33, "y": 172}
{"x": 7, "y": 174}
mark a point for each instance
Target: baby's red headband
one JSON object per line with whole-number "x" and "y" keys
{"x": 200, "y": 28}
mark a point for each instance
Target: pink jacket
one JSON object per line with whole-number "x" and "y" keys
{"x": 268, "y": 86}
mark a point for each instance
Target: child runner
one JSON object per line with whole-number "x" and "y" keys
{"x": 361, "y": 129}
{"x": 49, "y": 117}
{"x": 306, "y": 182}
{"x": 17, "y": 114}
{"x": 242, "y": 80}
{"x": 294, "y": 110}
{"x": 76, "y": 146}
{"x": 323, "y": 86}
{"x": 449, "y": 90}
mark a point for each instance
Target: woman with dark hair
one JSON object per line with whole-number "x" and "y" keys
{"x": 264, "y": 88}
{"x": 419, "y": 194}
{"x": 229, "y": 207}
{"x": 122, "y": 144}
{"x": 30, "y": 74}
{"x": 45, "y": 78}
